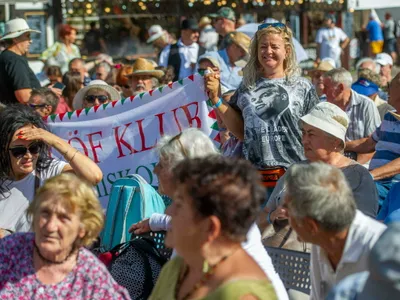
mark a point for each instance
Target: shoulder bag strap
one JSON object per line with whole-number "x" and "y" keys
{"x": 37, "y": 184}
{"x": 285, "y": 238}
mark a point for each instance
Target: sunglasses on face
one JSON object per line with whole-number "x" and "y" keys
{"x": 36, "y": 106}
{"x": 20, "y": 151}
{"x": 273, "y": 25}
{"x": 92, "y": 98}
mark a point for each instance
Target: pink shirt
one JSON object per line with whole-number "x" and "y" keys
{"x": 62, "y": 106}
{"x": 88, "y": 280}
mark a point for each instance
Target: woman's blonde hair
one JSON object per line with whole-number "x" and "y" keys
{"x": 76, "y": 196}
{"x": 253, "y": 70}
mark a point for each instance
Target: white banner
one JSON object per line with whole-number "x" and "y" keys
{"x": 120, "y": 136}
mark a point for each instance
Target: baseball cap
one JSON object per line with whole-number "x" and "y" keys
{"x": 384, "y": 59}
{"x": 155, "y": 32}
{"x": 211, "y": 59}
{"x": 365, "y": 87}
{"x": 224, "y": 12}
{"x": 329, "y": 118}
{"x": 190, "y": 24}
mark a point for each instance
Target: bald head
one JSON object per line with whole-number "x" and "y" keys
{"x": 394, "y": 92}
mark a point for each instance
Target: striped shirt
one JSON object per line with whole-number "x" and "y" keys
{"x": 364, "y": 117}
{"x": 387, "y": 137}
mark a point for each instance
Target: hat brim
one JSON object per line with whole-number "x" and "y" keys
{"x": 382, "y": 62}
{"x": 324, "y": 126}
{"x": 366, "y": 91}
{"x": 17, "y": 34}
{"x": 154, "y": 37}
{"x": 214, "y": 16}
{"x": 155, "y": 73}
{"x": 77, "y": 103}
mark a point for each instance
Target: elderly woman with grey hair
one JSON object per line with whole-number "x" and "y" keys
{"x": 192, "y": 143}
{"x": 322, "y": 211}
{"x": 323, "y": 130}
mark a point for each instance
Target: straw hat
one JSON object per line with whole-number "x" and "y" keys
{"x": 204, "y": 21}
{"x": 144, "y": 67}
{"x": 324, "y": 66}
{"x": 15, "y": 28}
{"x": 241, "y": 39}
{"x": 77, "y": 103}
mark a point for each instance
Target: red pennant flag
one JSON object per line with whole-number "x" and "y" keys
{"x": 132, "y": 97}
{"x": 191, "y": 77}
{"x": 217, "y": 138}
{"x": 170, "y": 85}
{"x": 96, "y": 108}
{"x": 151, "y": 92}
{"x": 62, "y": 115}
{"x": 78, "y": 112}
{"x": 114, "y": 102}
{"x": 212, "y": 114}
{"x": 45, "y": 118}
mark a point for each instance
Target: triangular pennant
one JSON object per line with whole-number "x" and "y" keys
{"x": 69, "y": 114}
{"x": 161, "y": 88}
{"x": 105, "y": 105}
{"x": 96, "y": 108}
{"x": 191, "y": 77}
{"x": 123, "y": 101}
{"x": 180, "y": 82}
{"x": 114, "y": 102}
{"x": 215, "y": 126}
{"x": 53, "y": 117}
{"x": 61, "y": 115}
{"x": 209, "y": 103}
{"x": 78, "y": 112}
{"x": 212, "y": 114}
{"x": 45, "y": 119}
{"x": 87, "y": 110}
{"x": 217, "y": 138}
{"x": 141, "y": 95}
{"x": 132, "y": 97}
{"x": 170, "y": 85}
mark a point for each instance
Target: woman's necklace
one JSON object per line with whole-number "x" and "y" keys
{"x": 204, "y": 278}
{"x": 48, "y": 261}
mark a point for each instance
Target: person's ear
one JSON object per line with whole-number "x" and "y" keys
{"x": 310, "y": 225}
{"x": 213, "y": 229}
{"x": 82, "y": 231}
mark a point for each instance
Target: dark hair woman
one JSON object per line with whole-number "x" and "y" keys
{"x": 73, "y": 83}
{"x": 25, "y": 163}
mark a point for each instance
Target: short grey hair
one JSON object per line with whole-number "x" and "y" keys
{"x": 191, "y": 143}
{"x": 105, "y": 65}
{"x": 340, "y": 75}
{"x": 321, "y": 192}
{"x": 155, "y": 82}
{"x": 48, "y": 96}
{"x": 368, "y": 59}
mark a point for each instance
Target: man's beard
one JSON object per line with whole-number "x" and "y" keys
{"x": 136, "y": 92}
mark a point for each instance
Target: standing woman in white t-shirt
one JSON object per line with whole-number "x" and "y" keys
{"x": 25, "y": 163}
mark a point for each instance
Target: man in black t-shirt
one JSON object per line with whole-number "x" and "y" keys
{"x": 16, "y": 77}
{"x": 93, "y": 42}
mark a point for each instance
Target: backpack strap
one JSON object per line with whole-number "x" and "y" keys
{"x": 37, "y": 184}
{"x": 174, "y": 59}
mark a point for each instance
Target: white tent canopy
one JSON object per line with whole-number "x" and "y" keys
{"x": 371, "y": 4}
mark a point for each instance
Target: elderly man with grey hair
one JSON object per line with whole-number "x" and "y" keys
{"x": 362, "y": 112}
{"x": 322, "y": 211}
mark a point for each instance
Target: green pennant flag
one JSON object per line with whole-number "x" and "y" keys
{"x": 105, "y": 105}
{"x": 122, "y": 101}
{"x": 69, "y": 114}
{"x": 215, "y": 126}
{"x": 180, "y": 82}
{"x": 87, "y": 110}
{"x": 53, "y": 117}
{"x": 209, "y": 103}
{"x": 141, "y": 95}
{"x": 161, "y": 88}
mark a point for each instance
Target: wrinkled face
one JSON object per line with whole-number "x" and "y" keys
{"x": 23, "y": 162}
{"x": 141, "y": 84}
{"x": 95, "y": 97}
{"x": 386, "y": 71}
{"x": 39, "y": 105}
{"x": 297, "y": 225}
{"x": 101, "y": 73}
{"x": 186, "y": 231}
{"x": 23, "y": 42}
{"x": 56, "y": 227}
{"x": 78, "y": 67}
{"x": 166, "y": 185}
{"x": 317, "y": 145}
{"x": 330, "y": 89}
{"x": 271, "y": 51}
{"x": 318, "y": 81}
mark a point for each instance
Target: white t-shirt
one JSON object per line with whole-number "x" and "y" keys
{"x": 253, "y": 246}
{"x": 330, "y": 39}
{"x": 13, "y": 207}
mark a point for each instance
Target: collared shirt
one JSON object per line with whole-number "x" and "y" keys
{"x": 230, "y": 78}
{"x": 188, "y": 55}
{"x": 383, "y": 106}
{"x": 363, "y": 234}
{"x": 363, "y": 115}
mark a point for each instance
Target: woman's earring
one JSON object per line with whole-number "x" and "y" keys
{"x": 206, "y": 266}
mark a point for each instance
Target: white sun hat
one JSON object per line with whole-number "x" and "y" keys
{"x": 77, "y": 103}
{"x": 155, "y": 32}
{"x": 384, "y": 59}
{"x": 15, "y": 28}
{"x": 329, "y": 118}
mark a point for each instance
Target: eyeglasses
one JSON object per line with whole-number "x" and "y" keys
{"x": 20, "y": 151}
{"x": 274, "y": 25}
{"x": 36, "y": 106}
{"x": 92, "y": 98}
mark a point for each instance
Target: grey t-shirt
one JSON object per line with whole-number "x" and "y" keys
{"x": 360, "y": 181}
{"x": 13, "y": 207}
{"x": 271, "y": 111}
{"x": 388, "y": 29}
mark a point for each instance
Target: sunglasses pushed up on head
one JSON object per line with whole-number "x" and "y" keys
{"x": 273, "y": 25}
{"x": 20, "y": 151}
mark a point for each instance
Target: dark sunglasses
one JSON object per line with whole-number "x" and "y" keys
{"x": 92, "y": 98}
{"x": 274, "y": 25}
{"x": 201, "y": 71}
{"x": 20, "y": 151}
{"x": 36, "y": 106}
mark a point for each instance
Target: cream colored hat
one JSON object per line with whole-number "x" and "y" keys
{"x": 15, "y": 28}
{"x": 329, "y": 118}
{"x": 144, "y": 67}
{"x": 77, "y": 103}
{"x": 241, "y": 39}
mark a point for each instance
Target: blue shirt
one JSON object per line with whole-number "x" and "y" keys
{"x": 391, "y": 203}
{"x": 375, "y": 31}
{"x": 387, "y": 138}
{"x": 230, "y": 78}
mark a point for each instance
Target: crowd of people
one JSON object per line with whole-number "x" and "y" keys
{"x": 307, "y": 162}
